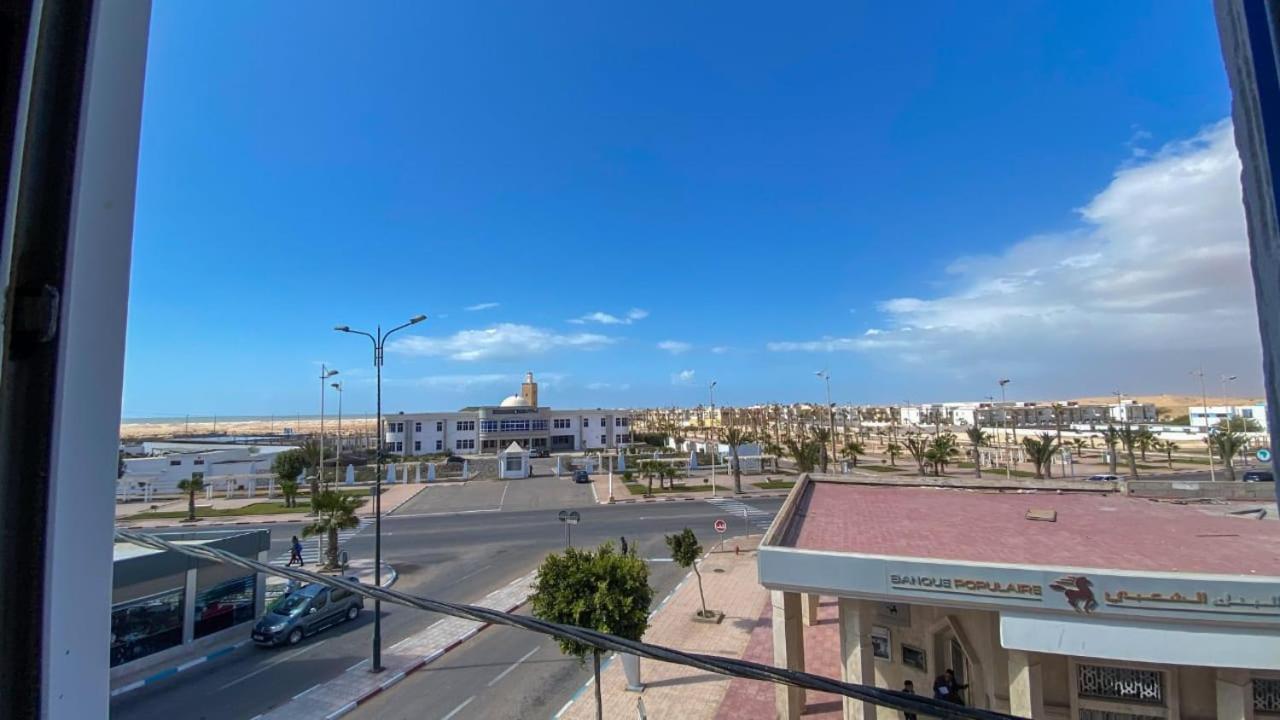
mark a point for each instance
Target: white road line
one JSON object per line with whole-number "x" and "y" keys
{"x": 447, "y": 514}
{"x": 272, "y": 664}
{"x": 459, "y": 708}
{"x": 514, "y": 665}
{"x": 341, "y": 711}
{"x": 658, "y": 560}
{"x": 473, "y": 572}
{"x": 503, "y": 499}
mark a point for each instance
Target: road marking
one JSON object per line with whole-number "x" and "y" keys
{"x": 503, "y": 499}
{"x": 459, "y": 708}
{"x": 473, "y": 572}
{"x": 514, "y": 665}
{"x": 341, "y": 711}
{"x": 447, "y": 514}
{"x": 658, "y": 560}
{"x": 272, "y": 664}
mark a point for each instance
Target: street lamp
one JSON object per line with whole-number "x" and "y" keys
{"x": 831, "y": 412}
{"x": 1231, "y": 413}
{"x": 1005, "y": 418}
{"x": 337, "y": 455}
{"x": 379, "y": 340}
{"x": 1204, "y": 414}
{"x": 712, "y": 434}
{"x": 325, "y": 374}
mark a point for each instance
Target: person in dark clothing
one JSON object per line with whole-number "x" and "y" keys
{"x": 295, "y": 553}
{"x": 946, "y": 688}
{"x": 624, "y": 544}
{"x": 909, "y": 688}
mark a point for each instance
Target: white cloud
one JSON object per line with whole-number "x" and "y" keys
{"x": 457, "y": 382}
{"x": 675, "y": 347}
{"x": 720, "y": 349}
{"x": 501, "y": 341}
{"x": 608, "y": 386}
{"x": 1156, "y": 279}
{"x": 481, "y": 306}
{"x": 604, "y": 318}
{"x": 684, "y": 377}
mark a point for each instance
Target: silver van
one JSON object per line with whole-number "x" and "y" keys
{"x": 306, "y": 611}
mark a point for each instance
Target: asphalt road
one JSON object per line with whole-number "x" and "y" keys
{"x": 455, "y": 543}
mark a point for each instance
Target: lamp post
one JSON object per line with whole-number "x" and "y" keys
{"x": 831, "y": 412}
{"x": 379, "y": 342}
{"x": 711, "y": 433}
{"x": 1231, "y": 413}
{"x": 325, "y": 374}
{"x": 1204, "y": 413}
{"x": 337, "y": 455}
{"x": 1004, "y": 417}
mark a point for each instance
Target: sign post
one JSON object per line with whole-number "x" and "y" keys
{"x": 721, "y": 526}
{"x": 569, "y": 518}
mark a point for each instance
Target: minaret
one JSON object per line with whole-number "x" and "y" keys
{"x": 529, "y": 390}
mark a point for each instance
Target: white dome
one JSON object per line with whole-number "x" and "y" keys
{"x": 515, "y": 401}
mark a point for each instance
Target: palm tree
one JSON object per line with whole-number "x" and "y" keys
{"x": 893, "y": 450}
{"x": 1078, "y": 443}
{"x": 310, "y": 450}
{"x": 649, "y": 469}
{"x": 1169, "y": 447}
{"x": 806, "y": 453}
{"x": 918, "y": 447}
{"x": 1129, "y": 439}
{"x": 191, "y": 486}
{"x": 941, "y": 450}
{"x": 979, "y": 438}
{"x": 1111, "y": 436}
{"x": 822, "y": 436}
{"x": 735, "y": 436}
{"x": 853, "y": 449}
{"x": 1145, "y": 440}
{"x": 335, "y": 511}
{"x": 1040, "y": 450}
{"x": 1228, "y": 444}
{"x": 669, "y": 473}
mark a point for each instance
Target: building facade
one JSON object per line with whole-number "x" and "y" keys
{"x": 1201, "y": 416}
{"x": 488, "y": 429}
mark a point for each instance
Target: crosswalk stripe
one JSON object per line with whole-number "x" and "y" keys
{"x": 311, "y": 548}
{"x": 757, "y": 517}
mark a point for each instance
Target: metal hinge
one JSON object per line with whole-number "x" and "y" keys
{"x": 35, "y": 313}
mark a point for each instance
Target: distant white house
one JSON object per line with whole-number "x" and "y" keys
{"x": 1208, "y": 416}
{"x": 173, "y": 462}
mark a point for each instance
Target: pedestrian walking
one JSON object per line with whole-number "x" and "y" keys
{"x": 624, "y": 544}
{"x": 295, "y": 553}
{"x": 909, "y": 688}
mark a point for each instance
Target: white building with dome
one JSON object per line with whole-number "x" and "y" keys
{"x": 488, "y": 429}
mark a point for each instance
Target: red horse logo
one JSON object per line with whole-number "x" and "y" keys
{"x": 1078, "y": 591}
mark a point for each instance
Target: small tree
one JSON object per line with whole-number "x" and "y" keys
{"x": 822, "y": 437}
{"x": 918, "y": 447}
{"x": 1169, "y": 447}
{"x": 893, "y": 450}
{"x": 1145, "y": 440}
{"x": 1227, "y": 444}
{"x": 191, "y": 486}
{"x": 1040, "y": 450}
{"x": 334, "y": 511}
{"x": 853, "y": 449}
{"x": 978, "y": 438}
{"x": 1129, "y": 438}
{"x": 650, "y": 469}
{"x": 600, "y": 590}
{"x": 685, "y": 551}
{"x": 287, "y": 466}
{"x": 940, "y": 451}
{"x": 735, "y": 436}
{"x": 669, "y": 473}
{"x": 1111, "y": 436}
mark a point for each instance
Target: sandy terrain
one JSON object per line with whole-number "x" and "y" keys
{"x": 149, "y": 430}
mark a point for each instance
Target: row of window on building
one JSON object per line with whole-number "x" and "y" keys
{"x": 509, "y": 425}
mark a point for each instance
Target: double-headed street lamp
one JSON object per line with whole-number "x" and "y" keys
{"x": 337, "y": 454}
{"x": 379, "y": 339}
{"x": 831, "y": 412}
{"x": 325, "y": 374}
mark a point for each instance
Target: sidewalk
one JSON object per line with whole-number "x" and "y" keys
{"x": 342, "y": 694}
{"x": 675, "y": 691}
{"x": 724, "y": 484}
{"x": 393, "y": 496}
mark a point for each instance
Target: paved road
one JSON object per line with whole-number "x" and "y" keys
{"x": 459, "y": 556}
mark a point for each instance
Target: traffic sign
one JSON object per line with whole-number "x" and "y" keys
{"x": 1263, "y": 455}
{"x": 570, "y": 516}
{"x": 721, "y": 526}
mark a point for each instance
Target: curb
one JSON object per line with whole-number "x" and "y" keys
{"x": 392, "y": 576}
{"x": 743, "y": 497}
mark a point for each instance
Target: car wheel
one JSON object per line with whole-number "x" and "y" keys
{"x": 295, "y": 636}
{"x": 353, "y": 612}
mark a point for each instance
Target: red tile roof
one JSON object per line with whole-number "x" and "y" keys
{"x": 1093, "y": 530}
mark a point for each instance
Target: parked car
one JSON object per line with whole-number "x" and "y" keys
{"x": 1258, "y": 476}
{"x": 540, "y": 453}
{"x": 581, "y": 476}
{"x": 304, "y": 612}
{"x": 1104, "y": 478}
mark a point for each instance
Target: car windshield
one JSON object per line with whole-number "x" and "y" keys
{"x": 291, "y": 604}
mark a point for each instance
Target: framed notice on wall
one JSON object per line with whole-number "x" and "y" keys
{"x": 881, "y": 643}
{"x": 913, "y": 657}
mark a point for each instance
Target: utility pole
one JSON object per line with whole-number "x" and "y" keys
{"x": 325, "y": 374}
{"x": 1006, "y": 417}
{"x": 710, "y": 434}
{"x": 1204, "y": 413}
{"x": 831, "y": 412}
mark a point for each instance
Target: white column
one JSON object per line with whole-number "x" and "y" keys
{"x": 788, "y": 651}
{"x": 1235, "y": 695}
{"x": 809, "y": 608}
{"x": 1026, "y": 689}
{"x": 189, "y": 608}
{"x": 857, "y": 660}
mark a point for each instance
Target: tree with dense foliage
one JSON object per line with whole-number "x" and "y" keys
{"x": 1240, "y": 424}
{"x": 1227, "y": 444}
{"x": 287, "y": 466}
{"x": 600, "y": 590}
{"x": 191, "y": 486}
{"x": 649, "y": 469}
{"x": 685, "y": 552}
{"x": 942, "y": 448}
{"x": 979, "y": 439}
{"x": 805, "y": 452}
{"x": 1145, "y": 440}
{"x": 918, "y": 447}
{"x": 1040, "y": 451}
{"x": 853, "y": 449}
{"x": 1111, "y": 437}
{"x": 735, "y": 436}
{"x": 334, "y": 511}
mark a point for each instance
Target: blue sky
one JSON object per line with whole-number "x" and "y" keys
{"x": 645, "y": 198}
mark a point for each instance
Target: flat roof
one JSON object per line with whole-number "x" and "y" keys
{"x": 1092, "y": 530}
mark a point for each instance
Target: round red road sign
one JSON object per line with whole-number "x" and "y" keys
{"x": 721, "y": 526}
